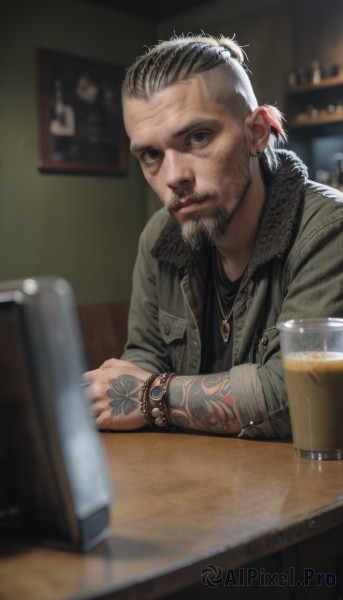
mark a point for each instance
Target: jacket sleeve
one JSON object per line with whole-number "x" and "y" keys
{"x": 312, "y": 286}
{"x": 144, "y": 346}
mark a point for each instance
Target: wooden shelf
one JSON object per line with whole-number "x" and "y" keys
{"x": 321, "y": 94}
{"x": 328, "y": 82}
{"x": 322, "y": 120}
{"x": 314, "y": 113}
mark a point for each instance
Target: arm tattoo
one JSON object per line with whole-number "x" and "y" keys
{"x": 203, "y": 402}
{"x": 125, "y": 392}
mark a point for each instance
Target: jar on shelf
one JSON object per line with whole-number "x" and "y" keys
{"x": 316, "y": 71}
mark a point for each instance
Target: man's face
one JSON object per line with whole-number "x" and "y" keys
{"x": 193, "y": 153}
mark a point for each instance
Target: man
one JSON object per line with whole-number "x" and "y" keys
{"x": 244, "y": 241}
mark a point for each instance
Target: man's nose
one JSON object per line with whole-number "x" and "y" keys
{"x": 178, "y": 170}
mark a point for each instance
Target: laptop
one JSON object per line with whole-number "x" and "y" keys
{"x": 54, "y": 485}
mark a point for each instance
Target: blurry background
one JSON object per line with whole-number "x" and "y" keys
{"x": 85, "y": 227}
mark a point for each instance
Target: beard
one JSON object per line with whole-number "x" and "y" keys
{"x": 197, "y": 231}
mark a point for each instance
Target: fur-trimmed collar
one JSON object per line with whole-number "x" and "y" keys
{"x": 277, "y": 226}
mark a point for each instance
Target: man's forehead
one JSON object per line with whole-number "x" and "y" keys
{"x": 193, "y": 91}
{"x": 197, "y": 80}
{"x": 150, "y": 111}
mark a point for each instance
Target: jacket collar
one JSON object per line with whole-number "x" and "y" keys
{"x": 277, "y": 226}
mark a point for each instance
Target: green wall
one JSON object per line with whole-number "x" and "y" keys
{"x": 84, "y": 228}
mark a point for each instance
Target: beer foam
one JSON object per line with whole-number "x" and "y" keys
{"x": 314, "y": 360}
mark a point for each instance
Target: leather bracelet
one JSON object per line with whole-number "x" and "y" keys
{"x": 158, "y": 401}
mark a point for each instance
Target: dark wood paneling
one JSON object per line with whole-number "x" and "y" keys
{"x": 104, "y": 328}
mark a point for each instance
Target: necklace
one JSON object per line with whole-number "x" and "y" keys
{"x": 225, "y": 327}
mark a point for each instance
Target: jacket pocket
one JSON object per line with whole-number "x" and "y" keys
{"x": 173, "y": 333}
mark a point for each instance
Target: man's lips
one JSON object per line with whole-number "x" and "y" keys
{"x": 185, "y": 209}
{"x": 188, "y": 206}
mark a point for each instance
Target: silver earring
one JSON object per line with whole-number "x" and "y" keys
{"x": 258, "y": 152}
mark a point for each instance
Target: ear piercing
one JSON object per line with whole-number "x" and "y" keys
{"x": 258, "y": 152}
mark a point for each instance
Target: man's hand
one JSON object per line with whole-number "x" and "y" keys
{"x": 114, "y": 392}
{"x": 201, "y": 402}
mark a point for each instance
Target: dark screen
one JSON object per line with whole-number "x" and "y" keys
{"x": 27, "y": 484}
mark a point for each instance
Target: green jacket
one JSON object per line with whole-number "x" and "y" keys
{"x": 295, "y": 271}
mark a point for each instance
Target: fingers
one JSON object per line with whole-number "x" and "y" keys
{"x": 100, "y": 402}
{"x": 89, "y": 376}
{"x": 110, "y": 362}
{"x": 116, "y": 363}
{"x": 100, "y": 408}
{"x": 99, "y": 405}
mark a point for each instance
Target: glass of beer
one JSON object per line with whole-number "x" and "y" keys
{"x": 312, "y": 357}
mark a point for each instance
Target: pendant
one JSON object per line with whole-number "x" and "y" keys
{"x": 225, "y": 330}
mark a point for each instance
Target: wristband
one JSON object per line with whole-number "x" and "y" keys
{"x": 158, "y": 401}
{"x": 144, "y": 400}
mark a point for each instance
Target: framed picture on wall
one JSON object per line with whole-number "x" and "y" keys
{"x": 79, "y": 115}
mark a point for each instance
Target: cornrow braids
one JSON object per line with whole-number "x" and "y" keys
{"x": 176, "y": 59}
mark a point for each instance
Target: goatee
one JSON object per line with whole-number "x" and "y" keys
{"x": 196, "y": 231}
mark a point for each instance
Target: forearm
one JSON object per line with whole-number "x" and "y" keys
{"x": 122, "y": 399}
{"x": 203, "y": 402}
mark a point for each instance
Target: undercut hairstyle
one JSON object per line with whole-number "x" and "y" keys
{"x": 182, "y": 57}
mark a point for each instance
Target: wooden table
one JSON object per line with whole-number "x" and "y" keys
{"x": 183, "y": 502}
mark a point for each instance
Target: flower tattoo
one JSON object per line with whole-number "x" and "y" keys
{"x": 124, "y": 390}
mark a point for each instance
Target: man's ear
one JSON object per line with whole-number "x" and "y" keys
{"x": 258, "y": 128}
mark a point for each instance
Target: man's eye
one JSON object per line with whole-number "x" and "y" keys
{"x": 150, "y": 156}
{"x": 199, "y": 137}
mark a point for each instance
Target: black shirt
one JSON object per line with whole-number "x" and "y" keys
{"x": 216, "y": 354}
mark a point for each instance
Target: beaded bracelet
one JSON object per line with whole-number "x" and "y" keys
{"x": 144, "y": 399}
{"x": 158, "y": 401}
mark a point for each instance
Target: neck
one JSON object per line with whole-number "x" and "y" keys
{"x": 236, "y": 245}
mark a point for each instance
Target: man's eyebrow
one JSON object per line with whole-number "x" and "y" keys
{"x": 195, "y": 124}
{"x": 138, "y": 148}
